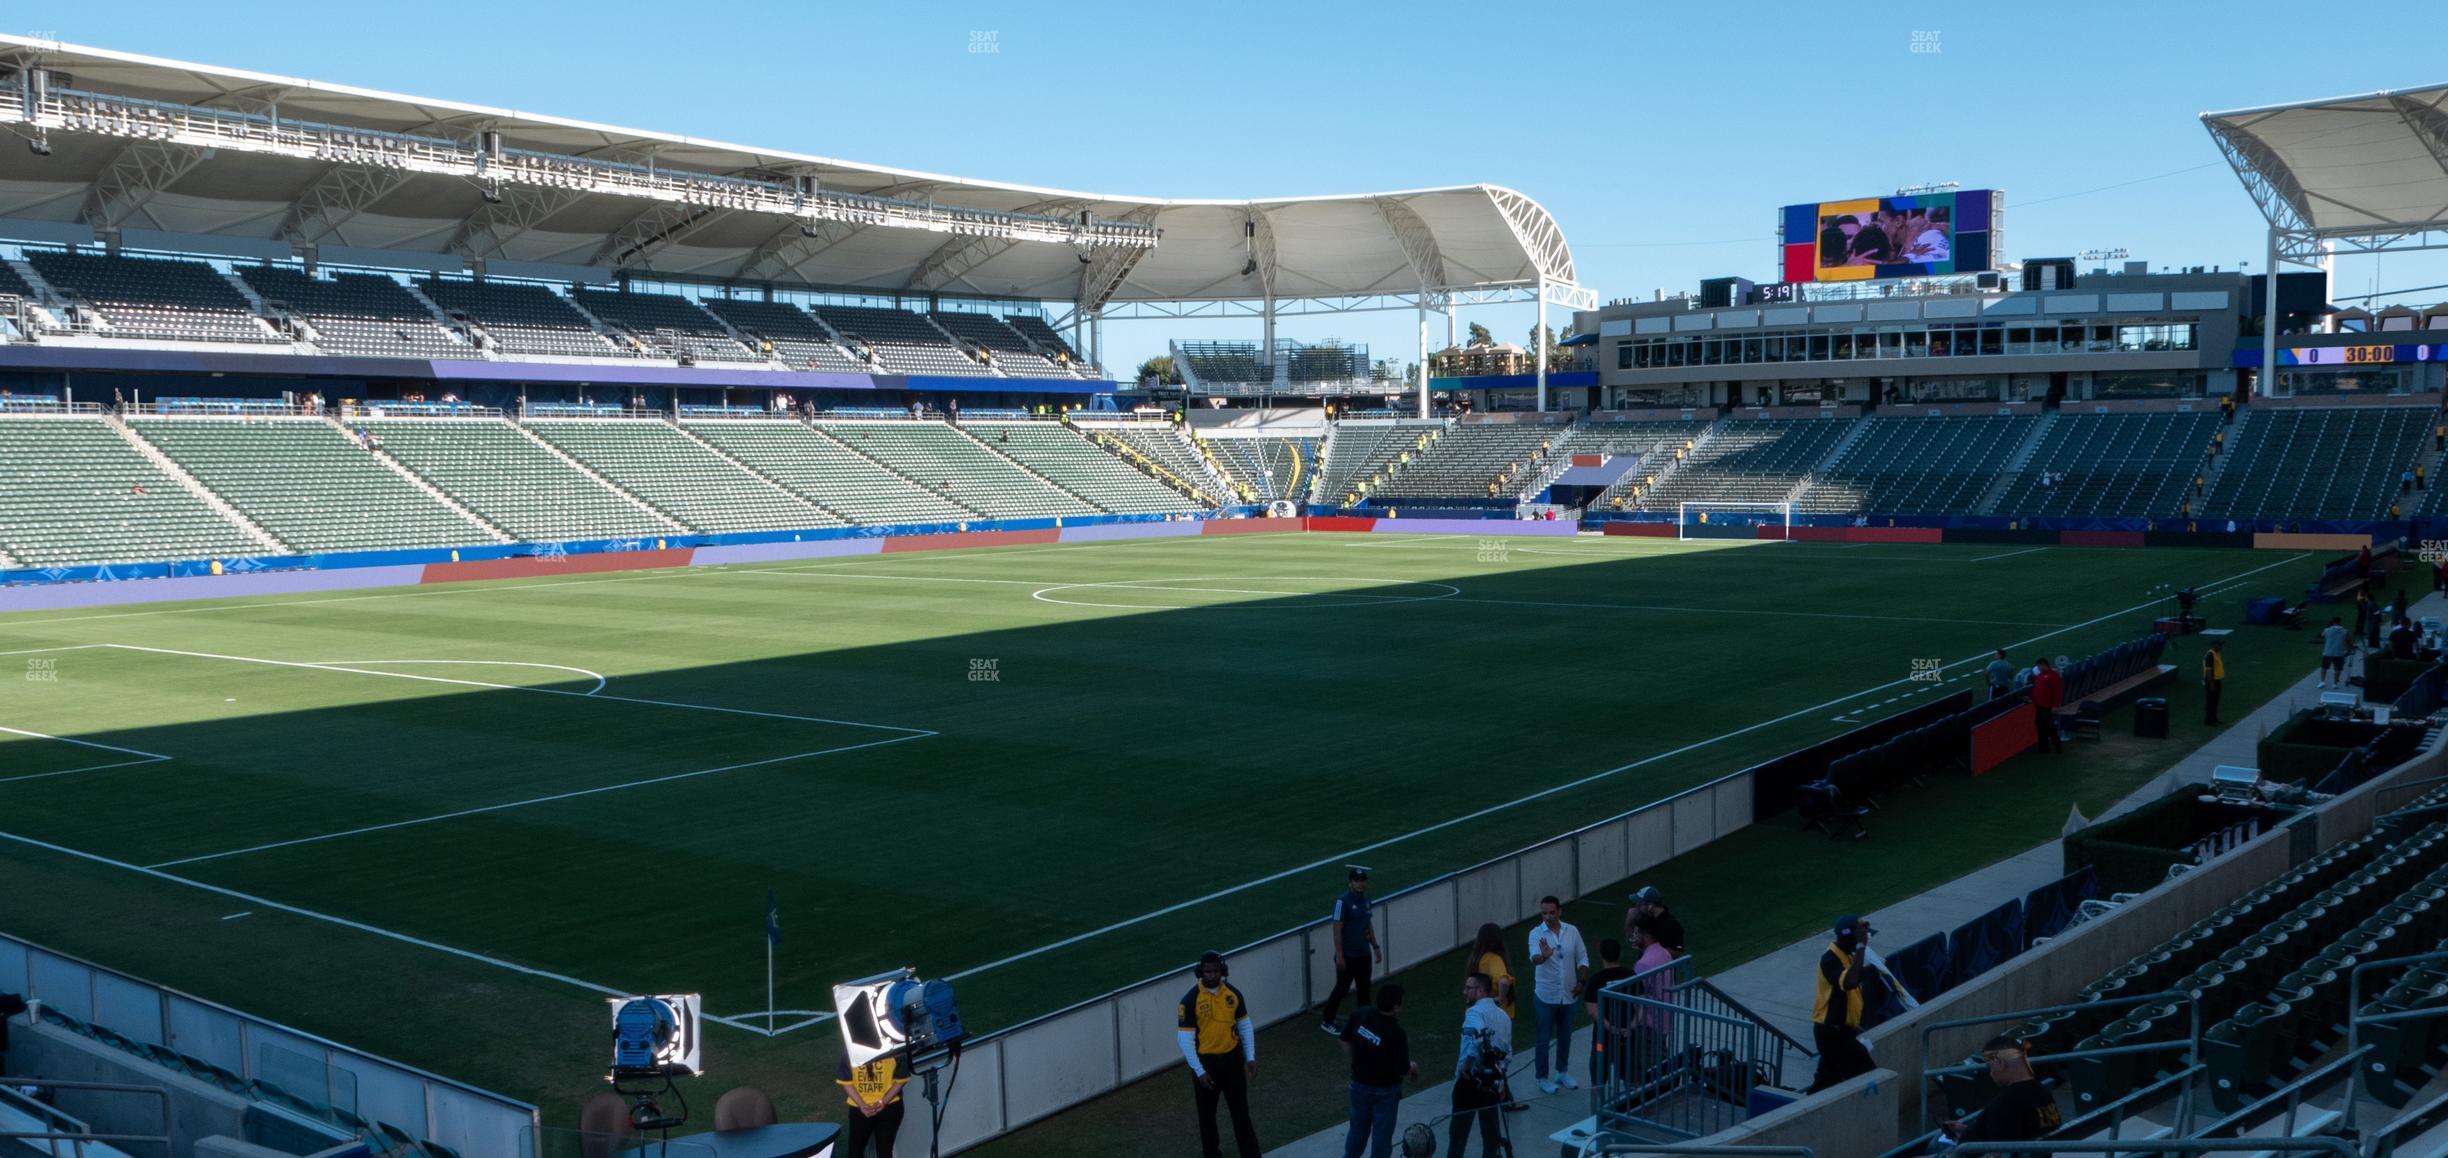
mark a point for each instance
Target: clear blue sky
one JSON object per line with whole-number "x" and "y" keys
{"x": 1663, "y": 136}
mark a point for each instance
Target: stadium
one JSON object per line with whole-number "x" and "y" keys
{"x": 491, "y": 586}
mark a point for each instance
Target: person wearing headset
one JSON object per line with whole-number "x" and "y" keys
{"x": 1222, "y": 1049}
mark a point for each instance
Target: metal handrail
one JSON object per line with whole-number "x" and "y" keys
{"x": 87, "y": 1135}
{"x": 2292, "y": 1093}
{"x": 2192, "y": 1000}
{"x": 2384, "y": 1139}
{"x": 2325, "y": 1145}
{"x": 1600, "y": 1145}
{"x": 1704, "y": 983}
{"x": 2355, "y": 1019}
{"x": 2114, "y": 1112}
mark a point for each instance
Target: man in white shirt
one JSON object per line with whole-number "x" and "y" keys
{"x": 1479, "y": 1085}
{"x": 1559, "y": 963}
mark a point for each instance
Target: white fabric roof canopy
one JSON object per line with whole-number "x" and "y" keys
{"x": 2370, "y": 164}
{"x": 1349, "y": 245}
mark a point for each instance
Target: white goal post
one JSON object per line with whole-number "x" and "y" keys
{"x": 1732, "y": 520}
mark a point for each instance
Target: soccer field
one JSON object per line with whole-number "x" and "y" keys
{"x": 1042, "y": 772}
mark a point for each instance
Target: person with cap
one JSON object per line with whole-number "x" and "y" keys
{"x": 2001, "y": 673}
{"x": 1646, "y": 900}
{"x": 1479, "y": 1071}
{"x": 2214, "y": 679}
{"x": 1380, "y": 1062}
{"x": 1355, "y": 948}
{"x": 1222, "y": 1049}
{"x": 2047, "y": 692}
{"x": 1836, "y": 1013}
{"x": 2023, "y": 1111}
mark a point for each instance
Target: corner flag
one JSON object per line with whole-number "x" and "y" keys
{"x": 773, "y": 920}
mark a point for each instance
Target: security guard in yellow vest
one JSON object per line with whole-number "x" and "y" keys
{"x": 1836, "y": 1013}
{"x": 873, "y": 1092}
{"x": 2214, "y": 678}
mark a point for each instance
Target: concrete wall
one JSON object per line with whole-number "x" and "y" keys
{"x": 196, "y": 1109}
{"x": 1847, "y": 1120}
{"x": 2054, "y": 974}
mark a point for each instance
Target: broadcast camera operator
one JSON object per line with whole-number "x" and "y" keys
{"x": 1479, "y": 1089}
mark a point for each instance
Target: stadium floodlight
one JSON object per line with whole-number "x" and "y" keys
{"x": 895, "y": 1011}
{"x": 657, "y": 1036}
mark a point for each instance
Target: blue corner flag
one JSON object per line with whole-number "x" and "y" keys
{"x": 773, "y": 920}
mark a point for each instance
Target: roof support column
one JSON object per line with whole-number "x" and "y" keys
{"x": 1275, "y": 368}
{"x": 2268, "y": 387}
{"x": 1422, "y": 334}
{"x": 1542, "y": 345}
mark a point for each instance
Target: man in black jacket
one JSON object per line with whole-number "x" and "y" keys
{"x": 2023, "y": 1111}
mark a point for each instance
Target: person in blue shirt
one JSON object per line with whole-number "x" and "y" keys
{"x": 1355, "y": 949}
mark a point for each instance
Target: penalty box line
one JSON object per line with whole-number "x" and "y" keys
{"x": 359, "y": 926}
{"x": 589, "y": 695}
{"x": 503, "y": 807}
{"x": 1348, "y": 855}
{"x": 141, "y": 757}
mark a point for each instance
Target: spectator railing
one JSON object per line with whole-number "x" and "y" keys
{"x": 1688, "y": 1056}
{"x": 61, "y": 1127}
{"x": 1039, "y": 1067}
{"x": 2190, "y": 1044}
{"x": 468, "y": 1119}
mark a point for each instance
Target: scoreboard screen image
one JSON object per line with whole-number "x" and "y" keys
{"x": 1915, "y": 235}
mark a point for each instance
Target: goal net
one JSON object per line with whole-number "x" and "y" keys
{"x": 1734, "y": 520}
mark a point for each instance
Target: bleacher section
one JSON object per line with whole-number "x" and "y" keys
{"x": 70, "y": 495}
{"x": 521, "y": 318}
{"x": 2340, "y": 463}
{"x": 155, "y": 298}
{"x": 1469, "y": 460}
{"x": 1266, "y": 468}
{"x": 1165, "y": 445}
{"x": 295, "y": 1118}
{"x": 1011, "y": 351}
{"x": 357, "y": 313}
{"x": 658, "y": 463}
{"x": 2139, "y": 465}
{"x": 946, "y": 461}
{"x": 1747, "y": 460}
{"x": 308, "y": 483}
{"x": 1044, "y": 337}
{"x": 904, "y": 342}
{"x": 1357, "y": 452}
{"x": 666, "y": 324}
{"x": 487, "y": 466}
{"x": 1916, "y": 465}
{"x": 797, "y": 340}
{"x": 823, "y": 471}
{"x": 1061, "y": 454}
{"x": 1224, "y": 363}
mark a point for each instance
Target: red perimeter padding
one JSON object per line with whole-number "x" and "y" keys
{"x": 2003, "y": 738}
{"x": 1338, "y": 523}
{"x": 1645, "y": 530}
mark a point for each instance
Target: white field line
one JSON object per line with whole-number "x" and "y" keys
{"x": 141, "y": 757}
{"x": 595, "y": 791}
{"x": 2008, "y": 554}
{"x": 520, "y": 688}
{"x": 598, "y": 677}
{"x": 1154, "y": 585}
{"x": 1347, "y": 856}
{"x": 1750, "y": 611}
{"x": 343, "y": 922}
{"x": 42, "y": 650}
{"x": 229, "y": 602}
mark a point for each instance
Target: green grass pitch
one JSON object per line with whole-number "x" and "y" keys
{"x": 1043, "y": 771}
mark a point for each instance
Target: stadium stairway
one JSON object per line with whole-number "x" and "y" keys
{"x": 1995, "y": 492}
{"x": 435, "y": 493}
{"x": 825, "y": 472}
{"x": 194, "y": 486}
{"x": 1007, "y": 452}
{"x": 567, "y": 460}
{"x": 680, "y": 475}
{"x": 769, "y": 479}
